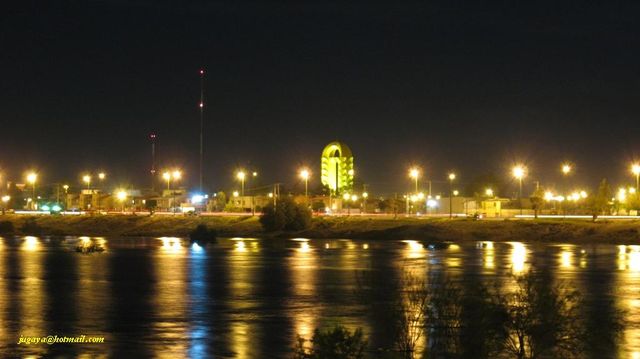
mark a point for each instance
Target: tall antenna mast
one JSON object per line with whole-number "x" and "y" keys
{"x": 201, "y": 122}
{"x": 152, "y": 137}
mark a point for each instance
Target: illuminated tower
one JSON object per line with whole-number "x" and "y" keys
{"x": 337, "y": 167}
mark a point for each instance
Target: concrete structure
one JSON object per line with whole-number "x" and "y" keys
{"x": 337, "y": 168}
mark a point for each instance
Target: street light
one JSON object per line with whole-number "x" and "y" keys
{"x": 168, "y": 176}
{"x": 452, "y": 176}
{"x": 304, "y": 174}
{"x": 519, "y": 172}
{"x": 241, "y": 176}
{"x": 87, "y": 179}
{"x": 635, "y": 169}
{"x": 122, "y": 196}
{"x": 5, "y": 200}
{"x": 566, "y": 168}
{"x": 32, "y": 177}
{"x": 488, "y": 192}
{"x": 415, "y": 174}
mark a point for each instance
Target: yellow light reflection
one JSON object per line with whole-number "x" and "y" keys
{"x": 518, "y": 257}
{"x": 171, "y": 245}
{"x": 30, "y": 244}
{"x": 170, "y": 299}
{"x": 488, "y": 255}
{"x": 566, "y": 258}
{"x": 240, "y": 246}
{"x": 414, "y": 249}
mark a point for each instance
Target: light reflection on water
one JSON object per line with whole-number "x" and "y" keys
{"x": 246, "y": 298}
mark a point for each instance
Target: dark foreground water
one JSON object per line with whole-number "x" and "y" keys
{"x": 248, "y": 298}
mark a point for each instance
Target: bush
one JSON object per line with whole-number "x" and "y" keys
{"x": 337, "y": 343}
{"x": 204, "y": 234}
{"x": 6, "y": 227}
{"x": 31, "y": 227}
{"x": 286, "y": 215}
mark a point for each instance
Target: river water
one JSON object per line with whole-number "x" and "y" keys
{"x": 249, "y": 298}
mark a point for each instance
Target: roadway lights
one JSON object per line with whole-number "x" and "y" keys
{"x": 488, "y": 192}
{"x": 240, "y": 175}
{"x": 32, "y": 177}
{"x": 635, "y": 169}
{"x": 566, "y": 168}
{"x": 87, "y": 179}
{"x": 519, "y": 172}
{"x": 415, "y": 174}
{"x": 452, "y": 176}
{"x": 304, "y": 174}
{"x": 121, "y": 195}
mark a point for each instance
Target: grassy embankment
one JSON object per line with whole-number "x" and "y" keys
{"x": 335, "y": 227}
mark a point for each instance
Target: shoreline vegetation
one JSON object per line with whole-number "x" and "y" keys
{"x": 351, "y": 227}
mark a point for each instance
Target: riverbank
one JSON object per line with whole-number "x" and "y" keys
{"x": 354, "y": 227}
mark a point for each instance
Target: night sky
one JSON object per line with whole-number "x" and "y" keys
{"x": 447, "y": 85}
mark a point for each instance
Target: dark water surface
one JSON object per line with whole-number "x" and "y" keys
{"x": 247, "y": 298}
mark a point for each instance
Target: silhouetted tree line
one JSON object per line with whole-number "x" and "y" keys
{"x": 440, "y": 318}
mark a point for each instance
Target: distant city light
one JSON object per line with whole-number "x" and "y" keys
{"x": 197, "y": 198}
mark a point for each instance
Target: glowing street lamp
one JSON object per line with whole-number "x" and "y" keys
{"x": 488, "y": 192}
{"x": 87, "y": 179}
{"x": 566, "y": 169}
{"x": 304, "y": 174}
{"x": 121, "y": 195}
{"x": 452, "y": 176}
{"x": 241, "y": 176}
{"x": 635, "y": 169}
{"x": 32, "y": 177}
{"x": 415, "y": 174}
{"x": 174, "y": 175}
{"x": 519, "y": 172}
{"x": 66, "y": 188}
{"x": 5, "y": 200}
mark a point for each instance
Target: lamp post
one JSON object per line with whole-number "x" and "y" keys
{"x": 519, "y": 172}
{"x": 415, "y": 174}
{"x": 635, "y": 169}
{"x": 87, "y": 179}
{"x": 5, "y": 200}
{"x": 452, "y": 176}
{"x": 122, "y": 196}
{"x": 32, "y": 177}
{"x": 241, "y": 176}
{"x": 365, "y": 195}
{"x": 304, "y": 174}
{"x": 168, "y": 176}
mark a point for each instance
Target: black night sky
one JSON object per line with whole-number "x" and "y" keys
{"x": 457, "y": 85}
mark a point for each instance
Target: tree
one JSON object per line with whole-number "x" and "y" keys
{"x": 544, "y": 319}
{"x": 337, "y": 343}
{"x": 599, "y": 203}
{"x": 285, "y": 215}
{"x": 219, "y": 201}
{"x": 537, "y": 201}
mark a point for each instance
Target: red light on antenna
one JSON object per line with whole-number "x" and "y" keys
{"x": 201, "y": 105}
{"x": 153, "y": 135}
{"x": 201, "y": 72}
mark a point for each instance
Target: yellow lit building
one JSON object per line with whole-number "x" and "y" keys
{"x": 337, "y": 167}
